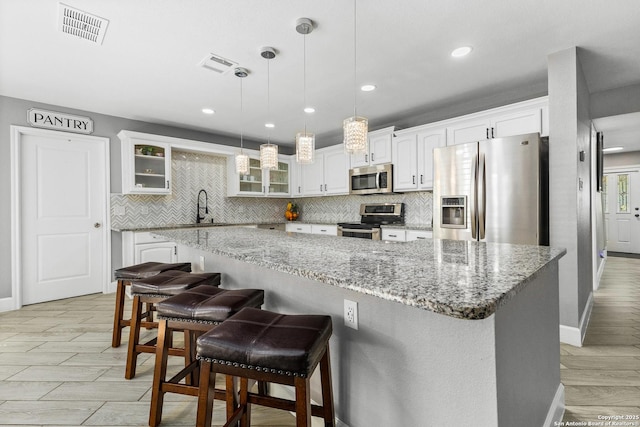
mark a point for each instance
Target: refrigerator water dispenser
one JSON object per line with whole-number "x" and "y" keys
{"x": 454, "y": 212}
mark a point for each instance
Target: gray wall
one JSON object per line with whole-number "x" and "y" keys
{"x": 614, "y": 102}
{"x": 570, "y": 209}
{"x": 14, "y": 112}
{"x": 618, "y": 160}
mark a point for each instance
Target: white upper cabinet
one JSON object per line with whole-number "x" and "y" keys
{"x": 413, "y": 157}
{"x": 258, "y": 182}
{"x": 146, "y": 164}
{"x": 379, "y": 149}
{"x": 328, "y": 175}
{"x": 516, "y": 119}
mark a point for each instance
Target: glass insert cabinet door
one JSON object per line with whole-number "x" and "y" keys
{"x": 279, "y": 179}
{"x": 146, "y": 166}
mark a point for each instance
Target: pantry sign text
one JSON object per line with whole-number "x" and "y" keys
{"x": 59, "y": 121}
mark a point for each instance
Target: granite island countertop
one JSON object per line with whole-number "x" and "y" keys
{"x": 461, "y": 279}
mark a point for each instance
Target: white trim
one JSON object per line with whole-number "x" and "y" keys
{"x": 6, "y": 304}
{"x": 596, "y": 284}
{"x": 556, "y": 410}
{"x": 621, "y": 169}
{"x": 574, "y": 336}
{"x": 16, "y": 238}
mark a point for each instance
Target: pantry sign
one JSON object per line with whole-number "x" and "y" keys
{"x": 59, "y": 121}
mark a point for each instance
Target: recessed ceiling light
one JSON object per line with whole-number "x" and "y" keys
{"x": 612, "y": 149}
{"x": 269, "y": 125}
{"x": 309, "y": 110}
{"x": 461, "y": 51}
{"x": 208, "y": 111}
{"x": 367, "y": 88}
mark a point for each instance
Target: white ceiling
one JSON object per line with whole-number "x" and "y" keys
{"x": 147, "y": 67}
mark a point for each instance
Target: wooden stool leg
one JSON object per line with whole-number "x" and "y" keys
{"x": 303, "y": 402}
{"x": 189, "y": 356}
{"x": 245, "y": 419}
{"x": 206, "y": 394}
{"x": 118, "y": 323}
{"x": 134, "y": 338}
{"x": 159, "y": 373}
{"x": 149, "y": 310}
{"x": 327, "y": 390}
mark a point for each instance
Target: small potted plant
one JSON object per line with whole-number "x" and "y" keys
{"x": 147, "y": 150}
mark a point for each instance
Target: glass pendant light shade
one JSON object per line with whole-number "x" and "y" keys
{"x": 355, "y": 135}
{"x": 305, "y": 147}
{"x": 268, "y": 156}
{"x": 242, "y": 164}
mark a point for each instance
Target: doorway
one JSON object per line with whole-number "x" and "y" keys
{"x": 60, "y": 221}
{"x": 621, "y": 195}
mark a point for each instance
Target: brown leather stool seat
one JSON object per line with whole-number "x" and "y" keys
{"x": 152, "y": 290}
{"x": 194, "y": 311}
{"x": 124, "y": 277}
{"x": 267, "y": 346}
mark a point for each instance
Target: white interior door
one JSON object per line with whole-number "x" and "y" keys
{"x": 62, "y": 214}
{"x": 622, "y": 211}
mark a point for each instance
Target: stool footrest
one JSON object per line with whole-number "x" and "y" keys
{"x": 284, "y": 404}
{"x": 182, "y": 375}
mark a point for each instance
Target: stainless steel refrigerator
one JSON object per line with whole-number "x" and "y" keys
{"x": 494, "y": 190}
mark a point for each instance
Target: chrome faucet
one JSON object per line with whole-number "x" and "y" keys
{"x": 206, "y": 206}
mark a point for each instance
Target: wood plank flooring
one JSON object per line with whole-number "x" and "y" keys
{"x": 57, "y": 367}
{"x": 603, "y": 376}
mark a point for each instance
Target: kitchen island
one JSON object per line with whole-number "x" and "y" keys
{"x": 451, "y": 333}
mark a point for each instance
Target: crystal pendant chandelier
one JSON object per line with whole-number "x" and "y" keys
{"x": 268, "y": 151}
{"x": 305, "y": 141}
{"x": 355, "y": 128}
{"x": 242, "y": 160}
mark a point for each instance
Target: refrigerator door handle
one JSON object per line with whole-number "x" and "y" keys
{"x": 472, "y": 197}
{"x": 482, "y": 197}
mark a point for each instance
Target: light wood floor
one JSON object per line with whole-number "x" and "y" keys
{"x": 57, "y": 367}
{"x": 603, "y": 376}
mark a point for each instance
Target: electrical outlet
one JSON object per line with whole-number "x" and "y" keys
{"x": 351, "y": 314}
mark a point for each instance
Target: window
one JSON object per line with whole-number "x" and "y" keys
{"x": 604, "y": 193}
{"x": 623, "y": 193}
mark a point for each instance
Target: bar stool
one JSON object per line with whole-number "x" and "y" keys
{"x": 193, "y": 311}
{"x": 153, "y": 290}
{"x": 266, "y": 346}
{"x": 124, "y": 277}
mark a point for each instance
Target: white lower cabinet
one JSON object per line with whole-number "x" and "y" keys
{"x": 143, "y": 246}
{"x": 393, "y": 235}
{"x": 293, "y": 227}
{"x": 328, "y": 230}
{"x": 419, "y": 235}
{"x": 398, "y": 235}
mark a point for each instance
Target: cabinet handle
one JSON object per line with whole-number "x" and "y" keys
{"x": 413, "y": 178}
{"x": 299, "y": 190}
{"x": 421, "y": 238}
{"x": 320, "y": 187}
{"x": 421, "y": 179}
{"x": 167, "y": 184}
{"x": 393, "y": 235}
{"x": 492, "y": 135}
{"x": 372, "y": 159}
{"x": 325, "y": 187}
{"x": 175, "y": 250}
{"x": 366, "y": 158}
{"x": 487, "y": 133}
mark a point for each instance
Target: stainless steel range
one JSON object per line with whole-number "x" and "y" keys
{"x": 373, "y": 215}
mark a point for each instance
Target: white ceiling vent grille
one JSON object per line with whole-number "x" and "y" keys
{"x": 81, "y": 24}
{"x": 217, "y": 63}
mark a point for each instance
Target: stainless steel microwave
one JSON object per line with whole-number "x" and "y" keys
{"x": 376, "y": 179}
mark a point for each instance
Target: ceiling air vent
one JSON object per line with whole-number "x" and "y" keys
{"x": 217, "y": 63}
{"x": 81, "y": 24}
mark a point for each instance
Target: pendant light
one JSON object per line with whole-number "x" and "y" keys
{"x": 305, "y": 141}
{"x": 242, "y": 160}
{"x": 268, "y": 151}
{"x": 355, "y": 128}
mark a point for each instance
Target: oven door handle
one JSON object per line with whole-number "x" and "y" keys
{"x": 359, "y": 230}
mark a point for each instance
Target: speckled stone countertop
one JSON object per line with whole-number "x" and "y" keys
{"x": 461, "y": 279}
{"x": 182, "y": 226}
{"x": 421, "y": 227}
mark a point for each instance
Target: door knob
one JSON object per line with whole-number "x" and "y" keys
{"x": 637, "y": 215}
{"x": 97, "y": 225}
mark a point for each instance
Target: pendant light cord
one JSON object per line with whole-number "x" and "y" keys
{"x": 355, "y": 55}
{"x": 304, "y": 78}
{"x": 268, "y": 102}
{"x": 241, "y": 117}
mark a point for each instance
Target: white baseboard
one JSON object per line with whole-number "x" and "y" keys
{"x": 574, "y": 336}
{"x": 111, "y": 287}
{"x": 7, "y": 304}
{"x": 556, "y": 410}
{"x": 596, "y": 285}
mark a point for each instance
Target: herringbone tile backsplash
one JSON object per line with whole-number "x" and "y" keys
{"x": 192, "y": 172}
